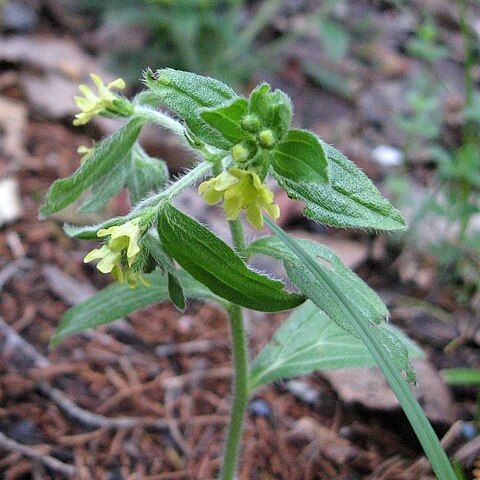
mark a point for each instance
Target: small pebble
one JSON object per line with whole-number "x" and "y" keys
{"x": 469, "y": 431}
{"x": 387, "y": 156}
{"x": 10, "y": 202}
{"x": 260, "y": 408}
{"x": 302, "y": 390}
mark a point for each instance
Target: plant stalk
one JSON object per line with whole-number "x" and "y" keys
{"x": 240, "y": 361}
{"x": 240, "y": 395}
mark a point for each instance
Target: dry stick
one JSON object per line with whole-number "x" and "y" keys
{"x": 30, "y": 452}
{"x": 13, "y": 339}
{"x": 12, "y": 268}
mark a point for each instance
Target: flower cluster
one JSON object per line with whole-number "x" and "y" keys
{"x": 118, "y": 254}
{"x": 240, "y": 189}
{"x": 92, "y": 104}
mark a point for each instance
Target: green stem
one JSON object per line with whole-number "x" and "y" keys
{"x": 189, "y": 179}
{"x": 240, "y": 361}
{"x": 240, "y": 396}
{"x": 160, "y": 118}
{"x": 236, "y": 230}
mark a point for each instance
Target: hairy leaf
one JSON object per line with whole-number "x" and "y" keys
{"x": 350, "y": 200}
{"x": 104, "y": 157}
{"x": 146, "y": 174}
{"x": 300, "y": 157}
{"x": 369, "y": 304}
{"x": 386, "y": 359}
{"x": 310, "y": 340}
{"x": 107, "y": 187}
{"x": 227, "y": 119}
{"x": 188, "y": 94}
{"x": 164, "y": 261}
{"x": 212, "y": 262}
{"x": 116, "y": 301}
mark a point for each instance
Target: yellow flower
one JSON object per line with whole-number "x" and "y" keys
{"x": 240, "y": 189}
{"x": 91, "y": 104}
{"x": 110, "y": 260}
{"x": 85, "y": 152}
{"x": 123, "y": 238}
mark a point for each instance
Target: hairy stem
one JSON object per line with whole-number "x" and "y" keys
{"x": 160, "y": 118}
{"x": 240, "y": 360}
{"x": 187, "y": 180}
{"x": 240, "y": 395}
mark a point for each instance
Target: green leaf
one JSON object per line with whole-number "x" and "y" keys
{"x": 175, "y": 292}
{"x": 310, "y": 340}
{"x": 104, "y": 157}
{"x": 116, "y": 301}
{"x": 350, "y": 200}
{"x": 300, "y": 157}
{"x": 273, "y": 109}
{"x": 188, "y": 94}
{"x": 367, "y": 301}
{"x": 164, "y": 261}
{"x": 335, "y": 39}
{"x": 227, "y": 119}
{"x": 146, "y": 174}
{"x": 384, "y": 357}
{"x": 213, "y": 263}
{"x": 107, "y": 187}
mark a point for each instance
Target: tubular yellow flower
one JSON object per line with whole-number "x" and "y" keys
{"x": 91, "y": 104}
{"x": 85, "y": 152}
{"x": 122, "y": 238}
{"x": 240, "y": 189}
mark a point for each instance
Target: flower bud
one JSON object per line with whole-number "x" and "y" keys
{"x": 243, "y": 151}
{"x": 267, "y": 139}
{"x": 250, "y": 123}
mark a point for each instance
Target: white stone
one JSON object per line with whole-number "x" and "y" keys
{"x": 10, "y": 202}
{"x": 387, "y": 156}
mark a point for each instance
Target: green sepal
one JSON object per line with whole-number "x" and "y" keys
{"x": 273, "y": 109}
{"x": 309, "y": 340}
{"x": 97, "y": 164}
{"x": 212, "y": 262}
{"x": 188, "y": 94}
{"x": 350, "y": 200}
{"x": 117, "y": 301}
{"x": 300, "y": 157}
{"x": 227, "y": 119}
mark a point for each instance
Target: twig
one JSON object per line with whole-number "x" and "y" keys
{"x": 188, "y": 348}
{"x": 12, "y": 268}
{"x": 30, "y": 452}
{"x": 13, "y": 339}
{"x": 173, "y": 424}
